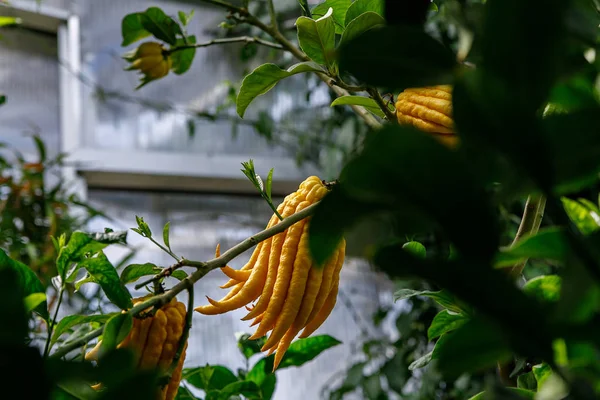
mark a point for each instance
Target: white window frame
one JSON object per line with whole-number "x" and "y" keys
{"x": 137, "y": 169}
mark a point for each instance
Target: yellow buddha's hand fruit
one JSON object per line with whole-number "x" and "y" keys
{"x": 291, "y": 292}
{"x": 154, "y": 340}
{"x": 428, "y": 109}
{"x": 151, "y": 59}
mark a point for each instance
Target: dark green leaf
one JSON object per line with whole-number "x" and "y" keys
{"x": 166, "y": 235}
{"x": 78, "y": 389}
{"x": 420, "y": 61}
{"x": 107, "y": 277}
{"x": 445, "y": 321}
{"x": 179, "y": 274}
{"x": 362, "y": 6}
{"x": 268, "y": 386}
{"x": 163, "y": 27}
{"x": 372, "y": 387}
{"x": 527, "y": 381}
{"x": 303, "y": 350}
{"x": 523, "y": 394}
{"x": 182, "y": 59}
{"x": 360, "y": 25}
{"x": 133, "y": 272}
{"x": 209, "y": 377}
{"x": 529, "y": 80}
{"x": 191, "y": 128}
{"x": 250, "y": 347}
{"x": 339, "y": 12}
{"x": 41, "y": 148}
{"x": 264, "y": 78}
{"x": 27, "y": 281}
{"x": 70, "y": 321}
{"x": 269, "y": 183}
{"x": 317, "y": 38}
{"x": 545, "y": 287}
{"x": 248, "y": 389}
{"x": 580, "y": 293}
{"x": 363, "y": 101}
{"x": 471, "y": 348}
{"x": 549, "y": 243}
{"x": 2, "y": 99}
{"x": 116, "y": 329}
{"x": 79, "y": 245}
{"x": 13, "y": 329}
{"x": 132, "y": 29}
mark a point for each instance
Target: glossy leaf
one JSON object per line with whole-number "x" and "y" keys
{"x": 163, "y": 27}
{"x": 210, "y": 377}
{"x": 248, "y": 389}
{"x": 360, "y": 25}
{"x": 264, "y": 78}
{"x": 549, "y": 243}
{"x": 339, "y": 12}
{"x": 359, "y": 7}
{"x": 250, "y": 347}
{"x": 470, "y": 348}
{"x": 78, "y": 246}
{"x": 317, "y": 38}
{"x": 68, "y": 322}
{"x": 384, "y": 57}
{"x": 107, "y": 277}
{"x": 27, "y": 280}
{"x": 116, "y": 329}
{"x": 33, "y": 301}
{"x": 132, "y": 29}
{"x": 363, "y": 101}
{"x": 445, "y": 321}
{"x": 442, "y": 297}
{"x": 302, "y": 351}
{"x": 182, "y": 59}
{"x": 545, "y": 287}
{"x": 415, "y": 248}
{"x": 133, "y": 272}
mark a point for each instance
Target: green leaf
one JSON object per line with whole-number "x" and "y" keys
{"x": 372, "y": 388}
{"x": 545, "y": 287}
{"x": 415, "y": 248}
{"x": 163, "y": 27}
{"x": 179, "y": 274}
{"x": 524, "y": 393}
{"x": 250, "y": 347}
{"x": 132, "y": 29}
{"x": 541, "y": 372}
{"x": 33, "y": 301}
{"x": 133, "y": 272}
{"x": 549, "y": 244}
{"x": 366, "y": 102}
{"x": 303, "y": 350}
{"x": 268, "y": 386}
{"x": 79, "y": 245}
{"x": 530, "y": 80}
{"x": 116, "y": 329}
{"x": 166, "y": 235}
{"x": 442, "y": 297}
{"x": 41, "y": 148}
{"x": 445, "y": 321}
{"x": 70, "y": 321}
{"x": 378, "y": 179}
{"x": 269, "y": 183}
{"x": 14, "y": 327}
{"x": 27, "y": 280}
{"x": 2, "y": 99}
{"x": 360, "y": 25}
{"x": 77, "y": 389}
{"x": 264, "y": 78}
{"x": 185, "y": 18}
{"x": 362, "y": 6}
{"x": 6, "y": 21}
{"x": 86, "y": 279}
{"x": 248, "y": 389}
{"x": 107, "y": 277}
{"x": 585, "y": 219}
{"x": 210, "y": 377}
{"x": 182, "y": 59}
{"x": 527, "y": 381}
{"x": 317, "y": 38}
{"x": 471, "y": 348}
{"x": 339, "y": 12}
{"x": 385, "y": 57}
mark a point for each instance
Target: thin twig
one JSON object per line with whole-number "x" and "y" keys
{"x": 53, "y": 322}
{"x": 203, "y": 269}
{"x": 273, "y": 15}
{"x": 240, "y": 39}
{"x": 163, "y": 248}
{"x": 375, "y": 95}
{"x": 305, "y": 9}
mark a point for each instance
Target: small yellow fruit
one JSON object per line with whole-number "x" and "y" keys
{"x": 428, "y": 109}
{"x": 152, "y": 60}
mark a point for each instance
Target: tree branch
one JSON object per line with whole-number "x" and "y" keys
{"x": 239, "y": 39}
{"x": 203, "y": 269}
{"x": 375, "y": 95}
